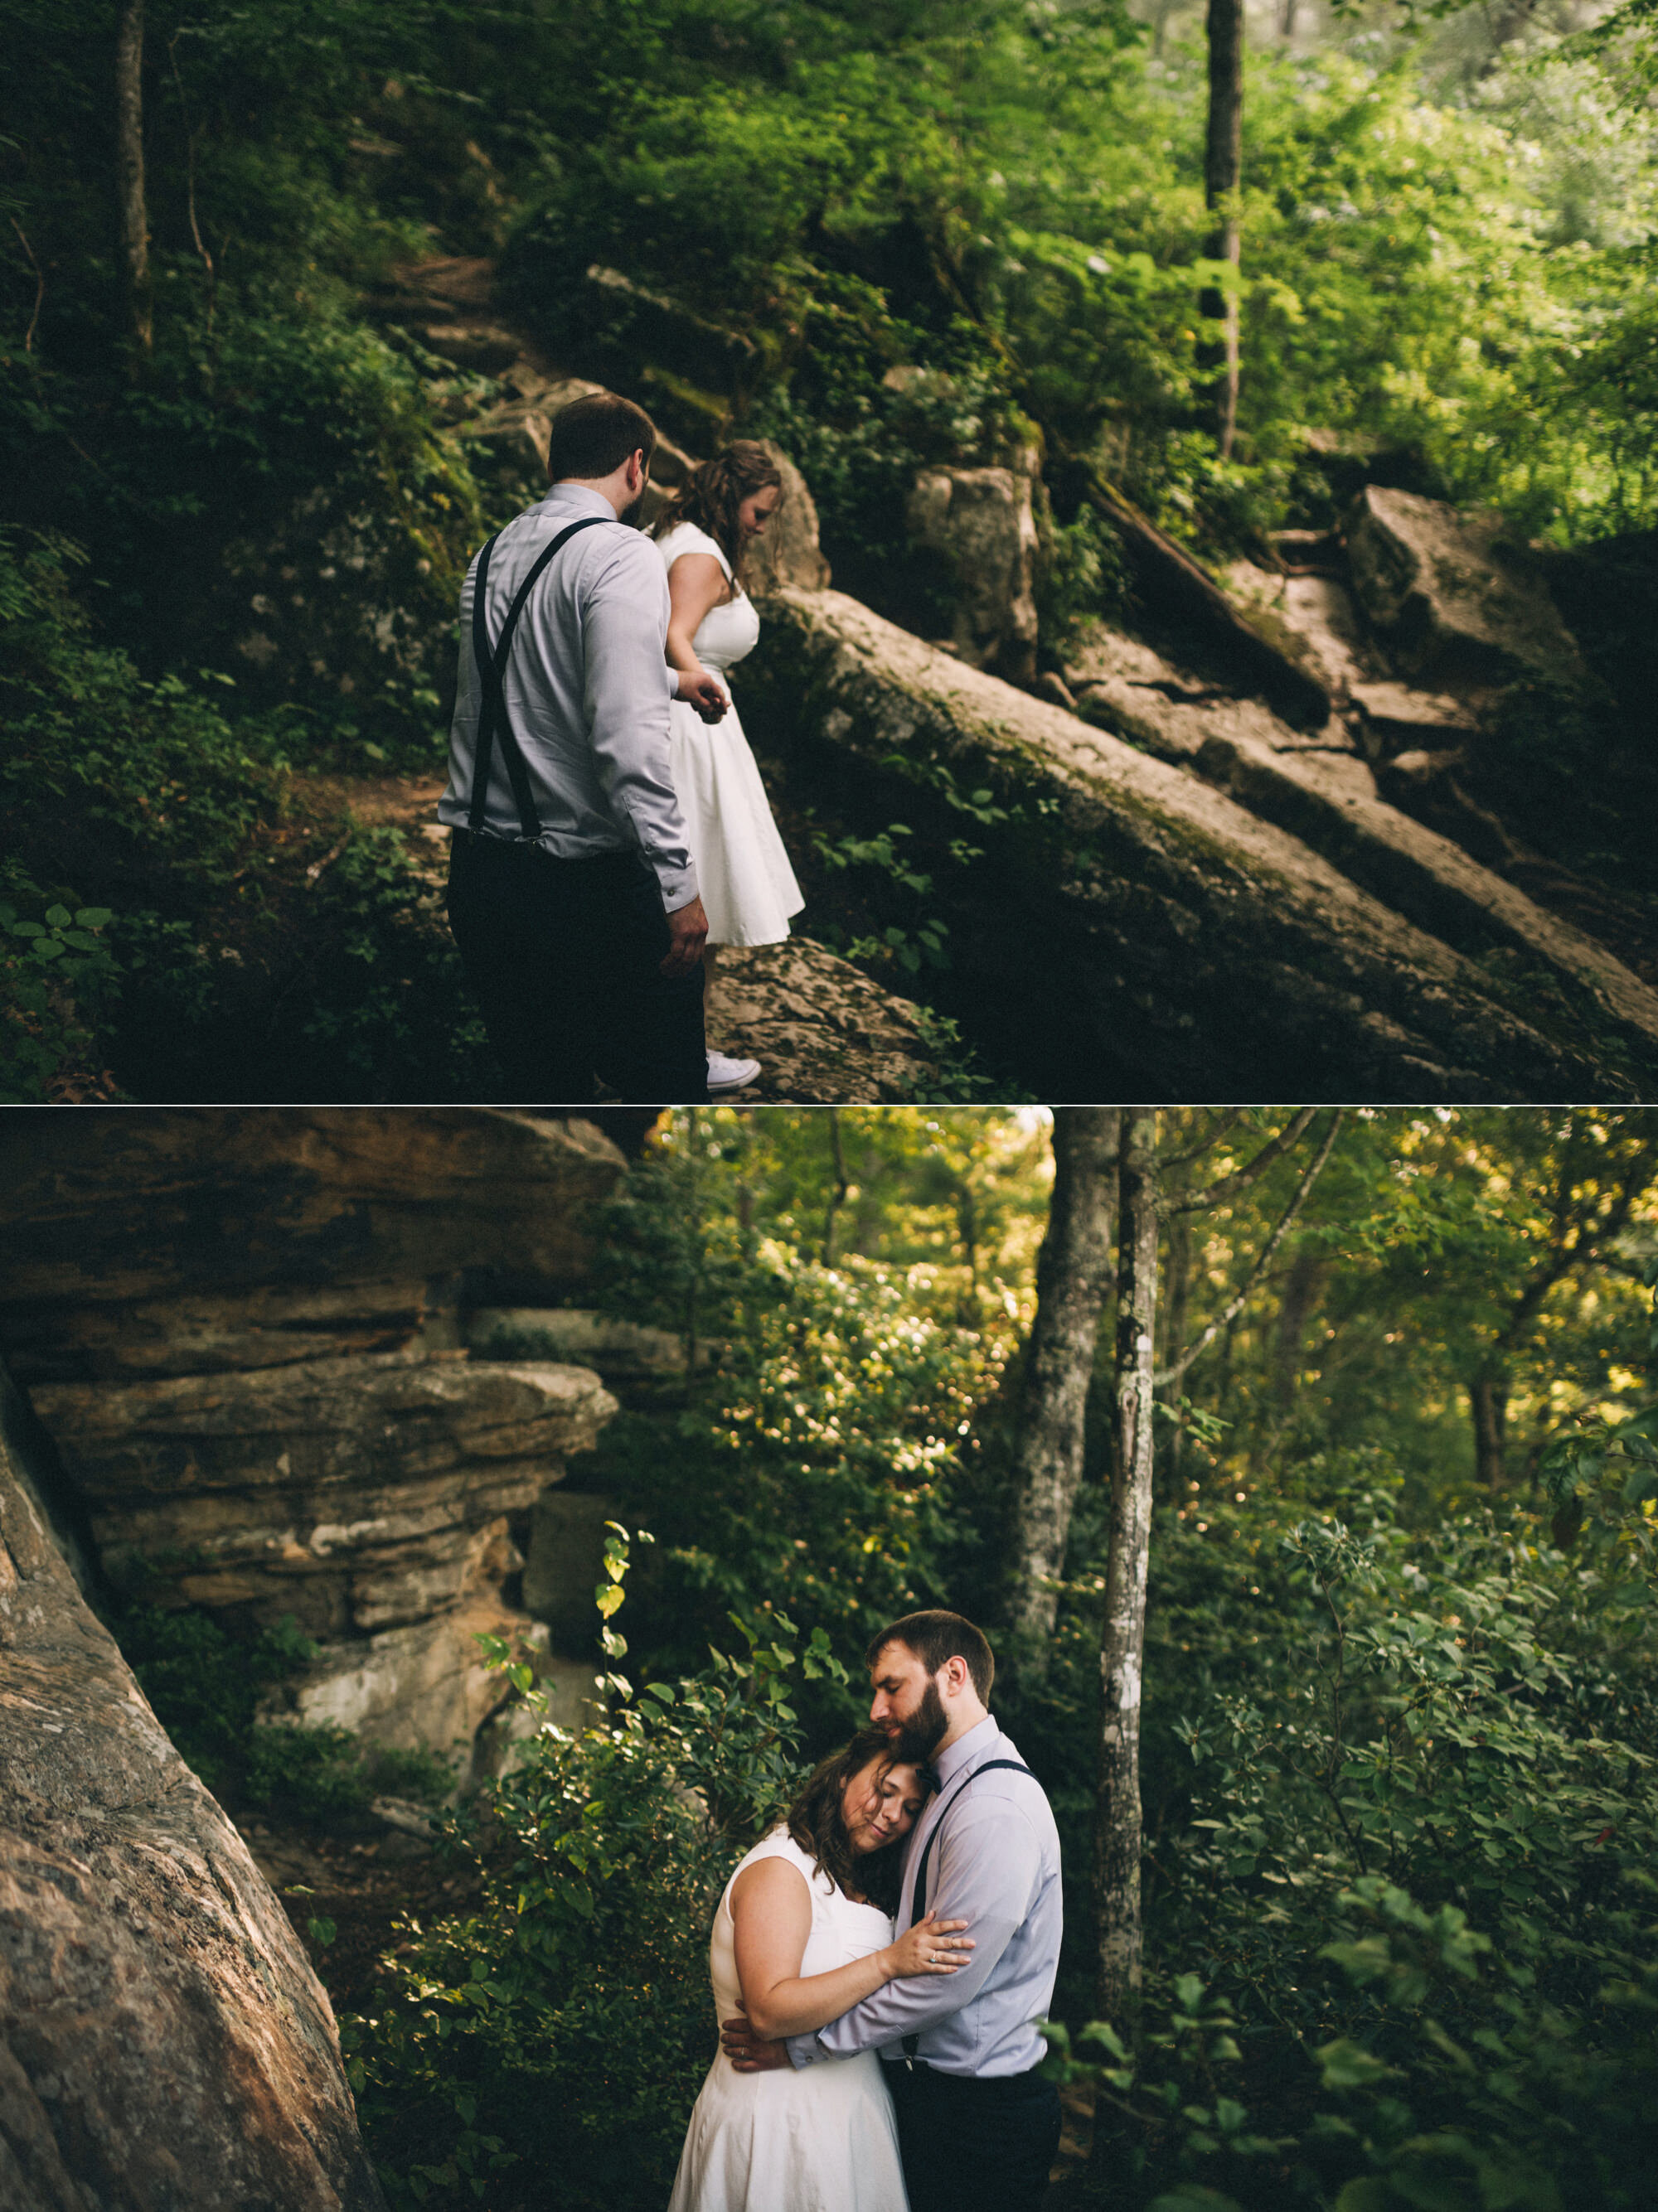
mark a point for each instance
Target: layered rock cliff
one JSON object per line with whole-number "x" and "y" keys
{"x": 247, "y": 1337}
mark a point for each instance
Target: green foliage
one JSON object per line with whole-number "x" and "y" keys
{"x": 562, "y": 2025}
{"x": 206, "y": 1687}
{"x": 52, "y": 971}
{"x": 1410, "y": 1862}
{"x": 164, "y": 809}
{"x": 808, "y": 1468}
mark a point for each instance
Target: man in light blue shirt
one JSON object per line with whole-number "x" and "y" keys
{"x": 978, "y": 2126}
{"x": 572, "y": 885}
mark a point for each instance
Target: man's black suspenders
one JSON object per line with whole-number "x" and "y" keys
{"x": 492, "y": 705}
{"x": 918, "y": 1895}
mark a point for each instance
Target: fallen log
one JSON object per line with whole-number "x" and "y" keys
{"x": 1125, "y": 929}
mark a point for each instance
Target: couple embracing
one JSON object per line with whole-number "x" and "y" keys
{"x": 880, "y": 1962}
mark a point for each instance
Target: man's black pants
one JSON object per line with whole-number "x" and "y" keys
{"x": 565, "y": 956}
{"x": 974, "y": 2145}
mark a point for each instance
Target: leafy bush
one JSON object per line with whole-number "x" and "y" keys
{"x": 54, "y": 974}
{"x": 218, "y": 964}
{"x": 562, "y": 2027}
{"x": 1409, "y": 1876}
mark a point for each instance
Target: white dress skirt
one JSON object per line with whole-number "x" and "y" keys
{"x": 748, "y": 886}
{"x": 817, "y": 2139}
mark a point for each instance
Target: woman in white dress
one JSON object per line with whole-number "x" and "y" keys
{"x": 743, "y": 873}
{"x": 804, "y": 1932}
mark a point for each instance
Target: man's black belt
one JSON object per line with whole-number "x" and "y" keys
{"x": 487, "y": 840}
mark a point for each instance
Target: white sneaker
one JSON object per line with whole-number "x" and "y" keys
{"x": 724, "y": 1074}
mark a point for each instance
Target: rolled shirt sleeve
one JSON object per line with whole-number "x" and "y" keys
{"x": 989, "y": 1868}
{"x": 624, "y": 622}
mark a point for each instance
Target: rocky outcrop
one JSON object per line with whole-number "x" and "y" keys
{"x": 158, "y": 1243}
{"x": 824, "y": 1032}
{"x": 980, "y": 519}
{"x": 163, "y": 2040}
{"x": 616, "y": 1350}
{"x": 354, "y": 1494}
{"x": 1457, "y": 607}
{"x": 1129, "y": 923}
{"x": 247, "y": 1335}
{"x": 1325, "y": 790}
{"x": 425, "y": 1687}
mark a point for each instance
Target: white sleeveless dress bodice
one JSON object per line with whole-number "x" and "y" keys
{"x": 743, "y": 873}
{"x": 819, "y": 2139}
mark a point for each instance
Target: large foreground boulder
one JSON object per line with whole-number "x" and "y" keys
{"x": 164, "y": 2045}
{"x": 1125, "y": 922}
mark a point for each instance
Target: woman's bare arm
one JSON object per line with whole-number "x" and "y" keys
{"x": 696, "y": 584}
{"x": 771, "y": 1908}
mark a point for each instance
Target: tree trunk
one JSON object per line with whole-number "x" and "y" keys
{"x": 1117, "y": 1815}
{"x": 130, "y": 168}
{"x": 1222, "y": 174}
{"x": 838, "y": 1188}
{"x": 1488, "y": 1401}
{"x": 1173, "y": 1314}
{"x": 1304, "y": 1279}
{"x": 1072, "y": 1274}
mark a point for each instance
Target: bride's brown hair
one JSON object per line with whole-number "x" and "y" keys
{"x": 818, "y": 1827}
{"x": 712, "y": 493}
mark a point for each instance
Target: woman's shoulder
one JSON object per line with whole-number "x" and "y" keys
{"x": 781, "y": 1845}
{"x": 690, "y": 537}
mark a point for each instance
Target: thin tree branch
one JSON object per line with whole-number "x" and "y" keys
{"x": 1177, "y": 1368}
{"x": 40, "y": 286}
{"x": 1166, "y": 1160}
{"x": 1573, "y": 1243}
{"x": 1230, "y": 1187}
{"x": 190, "y": 177}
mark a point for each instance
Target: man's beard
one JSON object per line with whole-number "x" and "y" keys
{"x": 632, "y": 511}
{"x": 919, "y": 1737}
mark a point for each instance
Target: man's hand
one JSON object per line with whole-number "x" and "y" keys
{"x": 688, "y": 925}
{"x": 705, "y": 693}
{"x": 748, "y": 2052}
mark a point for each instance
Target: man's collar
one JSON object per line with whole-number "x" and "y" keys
{"x": 581, "y": 498}
{"x": 967, "y": 1751}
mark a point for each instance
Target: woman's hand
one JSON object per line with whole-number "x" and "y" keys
{"x": 930, "y": 1947}
{"x": 703, "y": 690}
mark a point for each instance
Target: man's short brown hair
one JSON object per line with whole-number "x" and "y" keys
{"x": 594, "y": 435}
{"x": 937, "y": 1638}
